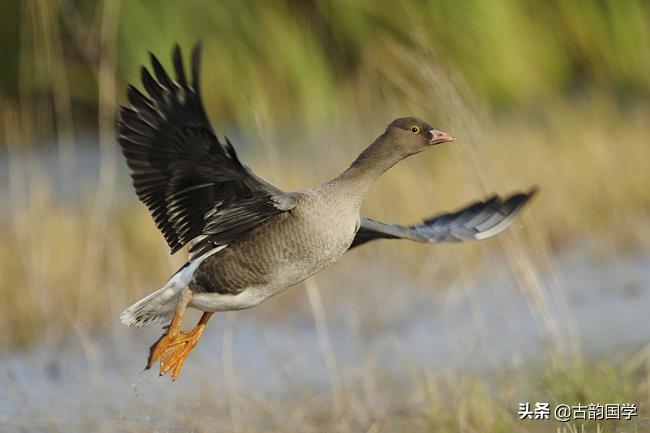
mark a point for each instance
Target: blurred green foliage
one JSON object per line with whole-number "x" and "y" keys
{"x": 304, "y": 53}
{"x": 304, "y": 58}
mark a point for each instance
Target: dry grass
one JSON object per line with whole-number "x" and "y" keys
{"x": 68, "y": 267}
{"x": 449, "y": 401}
{"x": 81, "y": 262}
{"x": 368, "y": 400}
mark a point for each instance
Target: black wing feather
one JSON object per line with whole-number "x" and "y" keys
{"x": 478, "y": 221}
{"x": 161, "y": 74}
{"x": 193, "y": 183}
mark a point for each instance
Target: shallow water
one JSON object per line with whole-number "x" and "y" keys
{"x": 487, "y": 325}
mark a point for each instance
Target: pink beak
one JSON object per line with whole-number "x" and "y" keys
{"x": 438, "y": 137}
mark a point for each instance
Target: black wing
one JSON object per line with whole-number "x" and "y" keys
{"x": 193, "y": 183}
{"x": 477, "y": 221}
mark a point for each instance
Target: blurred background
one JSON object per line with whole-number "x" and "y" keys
{"x": 397, "y": 336}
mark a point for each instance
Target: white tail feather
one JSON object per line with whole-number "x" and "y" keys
{"x": 159, "y": 306}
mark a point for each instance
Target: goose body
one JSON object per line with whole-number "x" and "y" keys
{"x": 282, "y": 252}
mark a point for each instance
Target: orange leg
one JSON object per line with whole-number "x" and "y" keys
{"x": 173, "y": 358}
{"x": 170, "y": 337}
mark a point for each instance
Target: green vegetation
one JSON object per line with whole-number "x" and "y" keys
{"x": 310, "y": 62}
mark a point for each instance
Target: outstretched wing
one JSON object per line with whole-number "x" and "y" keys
{"x": 477, "y": 221}
{"x": 193, "y": 183}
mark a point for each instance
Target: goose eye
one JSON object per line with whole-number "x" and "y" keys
{"x": 415, "y": 129}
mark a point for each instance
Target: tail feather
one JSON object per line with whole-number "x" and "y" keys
{"x": 160, "y": 305}
{"x": 154, "y": 308}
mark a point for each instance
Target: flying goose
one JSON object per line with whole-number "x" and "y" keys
{"x": 247, "y": 239}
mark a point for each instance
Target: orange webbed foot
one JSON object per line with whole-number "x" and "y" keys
{"x": 168, "y": 339}
{"x": 173, "y": 357}
{"x": 175, "y": 344}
